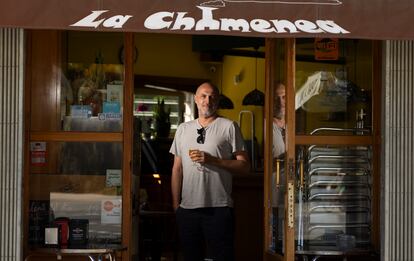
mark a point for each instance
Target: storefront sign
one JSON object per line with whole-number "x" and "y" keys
{"x": 221, "y": 3}
{"x": 175, "y": 21}
{"x": 180, "y": 21}
{"x": 116, "y": 21}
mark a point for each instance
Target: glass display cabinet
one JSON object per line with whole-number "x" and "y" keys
{"x": 78, "y": 182}
{"x": 321, "y": 196}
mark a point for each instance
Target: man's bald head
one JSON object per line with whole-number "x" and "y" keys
{"x": 207, "y": 85}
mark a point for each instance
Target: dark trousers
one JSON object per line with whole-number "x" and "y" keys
{"x": 211, "y": 226}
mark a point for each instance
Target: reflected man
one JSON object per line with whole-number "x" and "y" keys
{"x": 279, "y": 123}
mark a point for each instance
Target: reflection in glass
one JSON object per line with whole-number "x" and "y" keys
{"x": 333, "y": 202}
{"x": 277, "y": 189}
{"x": 277, "y": 203}
{"x": 92, "y": 83}
{"x": 334, "y": 94}
{"x": 81, "y": 181}
{"x": 276, "y": 184}
{"x": 89, "y": 158}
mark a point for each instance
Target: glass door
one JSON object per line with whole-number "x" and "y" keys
{"x": 322, "y": 177}
{"x": 278, "y": 183}
{"x": 336, "y": 150}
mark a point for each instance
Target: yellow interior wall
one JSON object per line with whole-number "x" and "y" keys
{"x": 84, "y": 45}
{"x": 170, "y": 56}
{"x": 245, "y": 66}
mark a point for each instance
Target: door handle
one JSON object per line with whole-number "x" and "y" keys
{"x": 291, "y": 194}
{"x": 291, "y": 190}
{"x": 301, "y": 174}
{"x": 277, "y": 172}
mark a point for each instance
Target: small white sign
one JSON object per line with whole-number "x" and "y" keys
{"x": 38, "y": 146}
{"x": 109, "y": 116}
{"x": 111, "y": 211}
{"x": 114, "y": 93}
{"x": 113, "y": 177}
{"x": 38, "y": 153}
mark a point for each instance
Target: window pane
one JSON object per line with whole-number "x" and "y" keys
{"x": 92, "y": 82}
{"x": 333, "y": 94}
{"x": 79, "y": 181}
{"x": 333, "y": 201}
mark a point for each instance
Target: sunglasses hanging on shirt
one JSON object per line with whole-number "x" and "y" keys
{"x": 201, "y": 135}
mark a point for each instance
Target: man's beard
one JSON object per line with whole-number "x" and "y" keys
{"x": 280, "y": 115}
{"x": 208, "y": 112}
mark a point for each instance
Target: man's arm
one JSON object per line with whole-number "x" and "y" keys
{"x": 240, "y": 164}
{"x": 176, "y": 182}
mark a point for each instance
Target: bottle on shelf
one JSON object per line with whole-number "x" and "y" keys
{"x": 360, "y": 121}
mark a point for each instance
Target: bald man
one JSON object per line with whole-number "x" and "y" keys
{"x": 207, "y": 151}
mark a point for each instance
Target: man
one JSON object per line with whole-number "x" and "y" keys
{"x": 278, "y": 179}
{"x": 201, "y": 180}
{"x": 279, "y": 121}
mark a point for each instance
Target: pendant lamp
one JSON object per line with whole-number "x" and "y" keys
{"x": 254, "y": 97}
{"x": 224, "y": 101}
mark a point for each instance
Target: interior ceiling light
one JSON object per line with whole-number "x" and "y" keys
{"x": 224, "y": 101}
{"x": 254, "y": 97}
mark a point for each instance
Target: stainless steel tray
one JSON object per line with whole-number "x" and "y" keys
{"x": 336, "y": 198}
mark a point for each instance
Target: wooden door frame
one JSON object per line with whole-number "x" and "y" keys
{"x": 290, "y": 158}
{"x": 271, "y": 80}
{"x": 128, "y": 129}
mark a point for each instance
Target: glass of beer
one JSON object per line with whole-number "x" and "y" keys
{"x": 199, "y": 165}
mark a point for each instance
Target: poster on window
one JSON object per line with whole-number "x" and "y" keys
{"x": 38, "y": 153}
{"x": 113, "y": 178}
{"x": 326, "y": 49}
{"x": 111, "y": 211}
{"x": 114, "y": 93}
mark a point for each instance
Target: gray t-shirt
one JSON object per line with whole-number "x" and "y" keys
{"x": 207, "y": 185}
{"x": 278, "y": 142}
{"x": 278, "y": 153}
